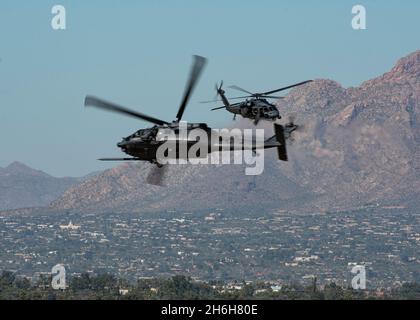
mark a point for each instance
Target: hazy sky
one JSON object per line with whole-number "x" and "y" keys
{"x": 138, "y": 53}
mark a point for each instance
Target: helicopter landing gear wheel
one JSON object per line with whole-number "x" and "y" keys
{"x": 257, "y": 119}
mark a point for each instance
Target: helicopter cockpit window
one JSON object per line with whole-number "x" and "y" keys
{"x": 165, "y": 131}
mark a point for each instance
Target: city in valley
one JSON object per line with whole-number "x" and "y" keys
{"x": 263, "y": 245}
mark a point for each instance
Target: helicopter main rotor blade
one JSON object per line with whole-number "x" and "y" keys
{"x": 218, "y": 100}
{"x": 285, "y": 88}
{"x": 211, "y": 101}
{"x": 271, "y": 97}
{"x": 244, "y": 97}
{"x": 218, "y": 108}
{"x": 196, "y": 70}
{"x": 109, "y": 106}
{"x": 119, "y": 159}
{"x": 240, "y": 89}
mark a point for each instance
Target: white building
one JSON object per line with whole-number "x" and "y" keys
{"x": 70, "y": 226}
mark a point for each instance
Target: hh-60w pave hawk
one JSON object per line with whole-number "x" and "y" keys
{"x": 255, "y": 107}
{"x": 144, "y": 143}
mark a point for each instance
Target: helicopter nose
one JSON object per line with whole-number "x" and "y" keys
{"x": 122, "y": 144}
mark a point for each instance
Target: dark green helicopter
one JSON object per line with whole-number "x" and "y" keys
{"x": 256, "y": 105}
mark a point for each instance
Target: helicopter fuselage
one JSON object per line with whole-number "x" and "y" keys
{"x": 144, "y": 143}
{"x": 255, "y": 108}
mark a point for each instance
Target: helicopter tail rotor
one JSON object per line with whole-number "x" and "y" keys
{"x": 219, "y": 97}
{"x": 291, "y": 127}
{"x": 219, "y": 89}
{"x": 221, "y": 93}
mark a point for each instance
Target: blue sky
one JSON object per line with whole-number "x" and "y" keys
{"x": 138, "y": 53}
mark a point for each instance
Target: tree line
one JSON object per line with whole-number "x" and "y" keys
{"x": 109, "y": 287}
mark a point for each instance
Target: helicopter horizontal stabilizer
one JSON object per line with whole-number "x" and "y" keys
{"x": 119, "y": 159}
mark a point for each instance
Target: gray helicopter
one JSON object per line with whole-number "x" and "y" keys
{"x": 255, "y": 107}
{"x": 143, "y": 145}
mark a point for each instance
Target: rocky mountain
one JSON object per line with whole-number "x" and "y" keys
{"x": 21, "y": 187}
{"x": 359, "y": 144}
{"x": 187, "y": 187}
{"x": 356, "y": 146}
